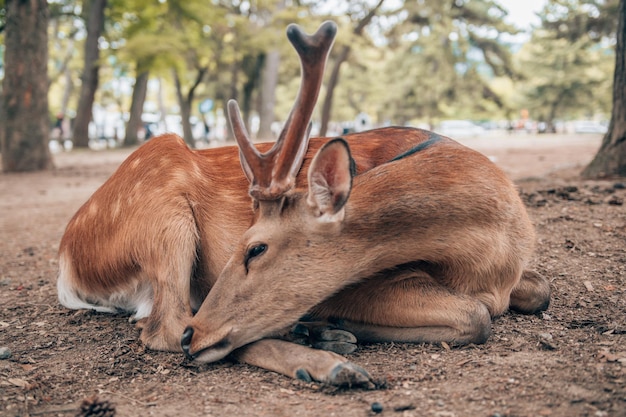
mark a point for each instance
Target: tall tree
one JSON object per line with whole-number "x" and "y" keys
{"x": 24, "y": 116}
{"x": 267, "y": 101}
{"x": 200, "y": 31}
{"x": 445, "y": 52}
{"x": 611, "y": 158}
{"x": 364, "y": 18}
{"x": 568, "y": 68}
{"x": 135, "y": 121}
{"x": 95, "y": 26}
{"x": 142, "y": 36}
{"x": 269, "y": 80}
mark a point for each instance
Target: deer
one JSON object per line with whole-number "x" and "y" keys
{"x": 153, "y": 240}
{"x": 426, "y": 247}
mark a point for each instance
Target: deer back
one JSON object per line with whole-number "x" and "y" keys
{"x": 445, "y": 207}
{"x": 118, "y": 234}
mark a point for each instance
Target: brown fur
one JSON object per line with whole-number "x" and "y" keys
{"x": 170, "y": 218}
{"x": 426, "y": 248}
{"x": 426, "y": 243}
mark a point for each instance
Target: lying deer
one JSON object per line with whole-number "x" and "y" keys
{"x": 426, "y": 247}
{"x": 394, "y": 234}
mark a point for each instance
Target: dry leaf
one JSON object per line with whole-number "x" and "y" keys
{"x": 18, "y": 382}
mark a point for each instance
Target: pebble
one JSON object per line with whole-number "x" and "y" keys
{"x": 5, "y": 352}
{"x": 377, "y": 407}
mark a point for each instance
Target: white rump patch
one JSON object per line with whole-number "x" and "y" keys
{"x": 136, "y": 299}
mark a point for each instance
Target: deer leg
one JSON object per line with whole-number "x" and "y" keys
{"x": 323, "y": 335}
{"x": 171, "y": 310}
{"x": 532, "y": 294}
{"x": 162, "y": 329}
{"x": 303, "y": 363}
{"x": 409, "y": 306}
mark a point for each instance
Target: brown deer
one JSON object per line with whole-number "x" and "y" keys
{"x": 153, "y": 239}
{"x": 426, "y": 247}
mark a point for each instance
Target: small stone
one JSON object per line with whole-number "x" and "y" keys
{"x": 614, "y": 200}
{"x": 5, "y": 352}
{"x": 377, "y": 407}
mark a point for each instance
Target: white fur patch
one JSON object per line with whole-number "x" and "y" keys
{"x": 137, "y": 298}
{"x": 68, "y": 295}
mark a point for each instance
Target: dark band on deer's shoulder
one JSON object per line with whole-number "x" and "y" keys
{"x": 432, "y": 139}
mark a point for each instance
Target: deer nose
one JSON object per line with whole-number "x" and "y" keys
{"x": 185, "y": 341}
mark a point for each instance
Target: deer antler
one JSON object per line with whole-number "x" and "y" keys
{"x": 273, "y": 173}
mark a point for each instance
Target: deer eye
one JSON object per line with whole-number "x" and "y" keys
{"x": 253, "y": 252}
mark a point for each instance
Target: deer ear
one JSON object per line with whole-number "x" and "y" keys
{"x": 330, "y": 180}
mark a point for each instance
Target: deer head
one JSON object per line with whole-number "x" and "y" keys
{"x": 284, "y": 265}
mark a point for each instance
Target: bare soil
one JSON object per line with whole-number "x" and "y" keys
{"x": 568, "y": 361}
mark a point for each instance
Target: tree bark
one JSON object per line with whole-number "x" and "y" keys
{"x": 185, "y": 103}
{"x": 136, "y": 108}
{"x": 333, "y": 80}
{"x": 611, "y": 158}
{"x": 233, "y": 94}
{"x": 95, "y": 27}
{"x": 24, "y": 117}
{"x": 334, "y": 75}
{"x": 67, "y": 91}
{"x": 252, "y": 66}
{"x": 268, "y": 95}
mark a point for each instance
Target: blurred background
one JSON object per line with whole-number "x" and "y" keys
{"x": 121, "y": 71}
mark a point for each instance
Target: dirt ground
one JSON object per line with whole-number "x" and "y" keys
{"x": 568, "y": 361}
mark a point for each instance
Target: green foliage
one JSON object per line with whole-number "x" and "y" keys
{"x": 445, "y": 53}
{"x": 569, "y": 61}
{"x": 417, "y": 61}
{"x": 577, "y": 19}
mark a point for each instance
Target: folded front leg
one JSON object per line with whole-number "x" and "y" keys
{"x": 303, "y": 363}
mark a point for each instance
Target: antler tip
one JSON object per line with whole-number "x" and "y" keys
{"x": 232, "y": 105}
{"x": 329, "y": 28}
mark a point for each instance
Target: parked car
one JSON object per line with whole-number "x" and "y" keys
{"x": 459, "y": 128}
{"x": 589, "y": 126}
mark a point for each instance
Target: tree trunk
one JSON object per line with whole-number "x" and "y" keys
{"x": 330, "y": 88}
{"x": 186, "y": 102}
{"x": 253, "y": 66}
{"x": 24, "y": 118}
{"x": 95, "y": 26}
{"x": 67, "y": 91}
{"x": 136, "y": 108}
{"x": 233, "y": 94}
{"x": 611, "y": 158}
{"x": 268, "y": 95}
{"x": 334, "y": 75}
{"x": 2, "y": 120}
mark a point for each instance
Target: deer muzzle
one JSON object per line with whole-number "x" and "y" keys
{"x": 204, "y": 349}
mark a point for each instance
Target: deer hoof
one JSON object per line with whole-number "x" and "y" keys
{"x": 336, "y": 335}
{"x": 342, "y": 348}
{"x": 325, "y": 337}
{"x": 303, "y": 375}
{"x": 349, "y": 375}
{"x": 334, "y": 340}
